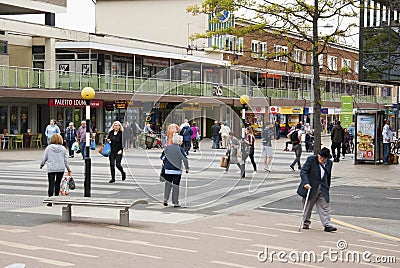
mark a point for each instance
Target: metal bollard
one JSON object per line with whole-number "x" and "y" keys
{"x": 66, "y": 213}
{"x": 124, "y": 218}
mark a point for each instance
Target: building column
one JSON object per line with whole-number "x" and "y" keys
{"x": 50, "y": 63}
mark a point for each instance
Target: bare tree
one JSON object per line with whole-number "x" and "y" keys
{"x": 283, "y": 17}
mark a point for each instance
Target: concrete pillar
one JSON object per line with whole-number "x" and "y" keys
{"x": 50, "y": 63}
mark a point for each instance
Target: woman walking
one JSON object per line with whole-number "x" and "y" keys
{"x": 55, "y": 156}
{"x": 250, "y": 139}
{"x": 173, "y": 156}
{"x": 115, "y": 138}
{"x": 195, "y": 137}
{"x": 233, "y": 146}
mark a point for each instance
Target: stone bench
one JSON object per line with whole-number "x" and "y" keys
{"x": 69, "y": 201}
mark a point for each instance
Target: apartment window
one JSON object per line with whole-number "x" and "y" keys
{"x": 346, "y": 63}
{"x": 284, "y": 51}
{"x": 356, "y": 66}
{"x": 297, "y": 55}
{"x": 254, "y": 48}
{"x": 229, "y": 41}
{"x": 321, "y": 61}
{"x": 263, "y": 50}
{"x": 303, "y": 57}
{"x": 277, "y": 52}
{"x": 239, "y": 45}
{"x": 332, "y": 63}
{"x": 3, "y": 47}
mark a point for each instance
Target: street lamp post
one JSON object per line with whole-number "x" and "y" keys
{"x": 87, "y": 94}
{"x": 244, "y": 100}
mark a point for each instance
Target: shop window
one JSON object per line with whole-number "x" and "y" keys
{"x": 3, "y": 118}
{"x": 24, "y": 119}
{"x": 3, "y": 47}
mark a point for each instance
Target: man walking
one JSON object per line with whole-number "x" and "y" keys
{"x": 337, "y": 137}
{"x": 186, "y": 132}
{"x": 387, "y": 136}
{"x": 266, "y": 136}
{"x": 316, "y": 174}
{"x": 215, "y": 135}
{"x": 295, "y": 138}
{"x": 81, "y": 138}
{"x": 70, "y": 138}
{"x": 224, "y": 131}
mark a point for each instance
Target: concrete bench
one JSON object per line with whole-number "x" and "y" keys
{"x": 126, "y": 204}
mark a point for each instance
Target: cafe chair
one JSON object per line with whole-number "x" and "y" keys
{"x": 5, "y": 140}
{"x": 19, "y": 138}
{"x": 37, "y": 139}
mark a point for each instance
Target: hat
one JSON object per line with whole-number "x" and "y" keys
{"x": 325, "y": 153}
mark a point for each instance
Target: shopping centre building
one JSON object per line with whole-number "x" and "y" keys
{"x": 141, "y": 62}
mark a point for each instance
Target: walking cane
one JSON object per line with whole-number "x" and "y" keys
{"x": 185, "y": 188}
{"x": 304, "y": 209}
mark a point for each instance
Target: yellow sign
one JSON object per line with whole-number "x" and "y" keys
{"x": 291, "y": 110}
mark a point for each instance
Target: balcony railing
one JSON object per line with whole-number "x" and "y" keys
{"x": 30, "y": 78}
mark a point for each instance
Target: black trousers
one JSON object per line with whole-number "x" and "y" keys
{"x": 336, "y": 149}
{"x": 54, "y": 182}
{"x": 115, "y": 160}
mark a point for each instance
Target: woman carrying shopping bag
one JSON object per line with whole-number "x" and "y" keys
{"x": 55, "y": 156}
{"x": 115, "y": 157}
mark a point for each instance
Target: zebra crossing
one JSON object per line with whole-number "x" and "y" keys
{"x": 206, "y": 190}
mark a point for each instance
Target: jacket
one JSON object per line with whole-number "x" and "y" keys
{"x": 215, "y": 130}
{"x": 173, "y": 156}
{"x": 387, "y": 134}
{"x": 116, "y": 141}
{"x": 337, "y": 134}
{"x": 187, "y": 133}
{"x": 70, "y": 134}
{"x": 311, "y": 174}
{"x": 224, "y": 131}
{"x": 55, "y": 156}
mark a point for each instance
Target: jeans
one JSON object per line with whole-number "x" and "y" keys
{"x": 297, "y": 150}
{"x": 69, "y": 144}
{"x": 54, "y": 182}
{"x": 115, "y": 160}
{"x": 186, "y": 146}
{"x": 386, "y": 150}
{"x": 82, "y": 147}
{"x": 215, "y": 142}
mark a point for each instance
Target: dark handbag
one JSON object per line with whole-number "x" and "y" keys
{"x": 71, "y": 183}
{"x": 162, "y": 174}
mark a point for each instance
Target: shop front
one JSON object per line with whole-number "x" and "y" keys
{"x": 290, "y": 117}
{"x": 256, "y": 119}
{"x": 71, "y": 110}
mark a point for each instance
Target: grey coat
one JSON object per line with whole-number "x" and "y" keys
{"x": 233, "y": 149}
{"x": 55, "y": 156}
{"x": 311, "y": 174}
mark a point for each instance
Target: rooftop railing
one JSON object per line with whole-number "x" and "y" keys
{"x": 31, "y": 78}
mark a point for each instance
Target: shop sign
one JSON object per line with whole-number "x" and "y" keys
{"x": 347, "y": 111}
{"x": 274, "y": 110}
{"x": 156, "y": 62}
{"x": 324, "y": 111}
{"x": 109, "y": 106}
{"x": 121, "y": 59}
{"x": 291, "y": 110}
{"x": 257, "y": 110}
{"x": 74, "y": 103}
{"x": 122, "y": 104}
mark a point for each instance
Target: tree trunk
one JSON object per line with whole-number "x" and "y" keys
{"x": 316, "y": 95}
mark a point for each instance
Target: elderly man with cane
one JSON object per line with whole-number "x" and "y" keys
{"x": 316, "y": 174}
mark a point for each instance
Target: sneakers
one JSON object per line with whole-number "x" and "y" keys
{"x": 267, "y": 170}
{"x": 123, "y": 176}
{"x": 330, "y": 229}
{"x": 111, "y": 181}
{"x": 306, "y": 227}
{"x": 343, "y": 157}
{"x": 291, "y": 168}
{"x": 299, "y": 167}
{"x": 165, "y": 204}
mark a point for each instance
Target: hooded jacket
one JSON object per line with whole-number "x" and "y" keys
{"x": 337, "y": 134}
{"x": 55, "y": 156}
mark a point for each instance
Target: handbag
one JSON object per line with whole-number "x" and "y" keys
{"x": 64, "y": 187}
{"x": 92, "y": 145}
{"x": 106, "y": 149}
{"x": 71, "y": 181}
{"x": 197, "y": 136}
{"x": 162, "y": 174}
{"x": 224, "y": 162}
{"x": 75, "y": 147}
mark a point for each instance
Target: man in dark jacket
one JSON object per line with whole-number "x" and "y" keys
{"x": 186, "y": 132}
{"x": 215, "y": 135}
{"x": 337, "y": 137}
{"x": 316, "y": 174}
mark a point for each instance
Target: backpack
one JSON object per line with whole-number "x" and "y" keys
{"x": 294, "y": 137}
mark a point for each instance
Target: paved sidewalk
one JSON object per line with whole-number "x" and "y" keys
{"x": 243, "y": 239}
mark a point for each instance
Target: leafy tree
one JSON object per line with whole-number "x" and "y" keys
{"x": 302, "y": 17}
